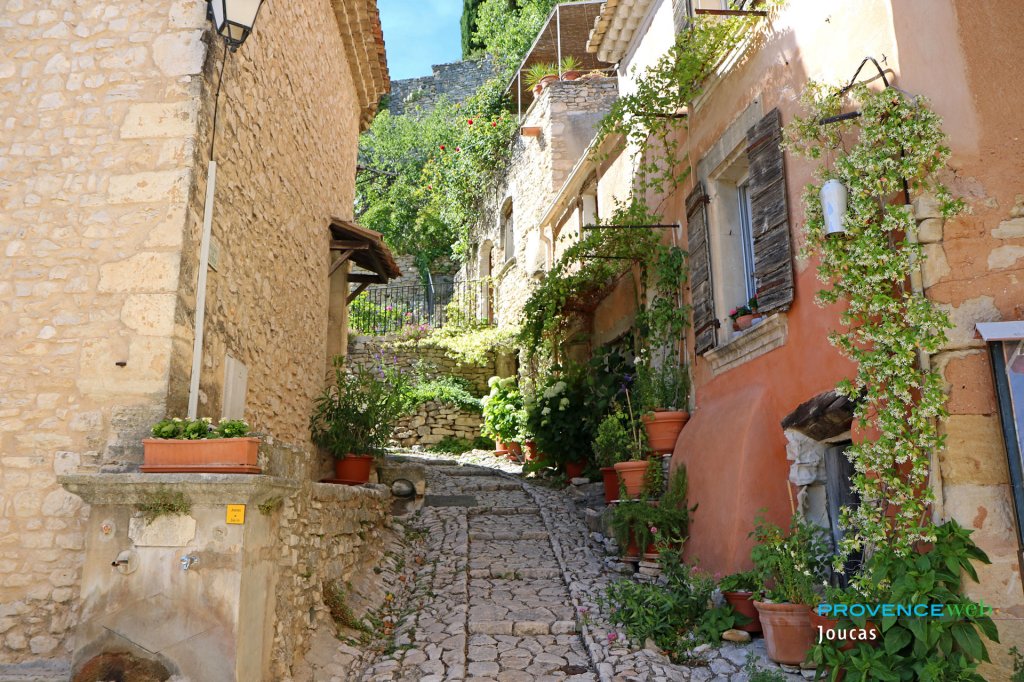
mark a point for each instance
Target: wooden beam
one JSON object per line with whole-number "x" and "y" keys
{"x": 344, "y": 244}
{"x": 367, "y": 278}
{"x": 358, "y": 290}
{"x": 338, "y": 263}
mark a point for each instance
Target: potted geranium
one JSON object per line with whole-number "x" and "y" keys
{"x": 504, "y": 416}
{"x": 353, "y": 417}
{"x": 791, "y": 568}
{"x": 197, "y": 446}
{"x": 741, "y": 317}
{"x": 664, "y": 393}
{"x": 738, "y": 591}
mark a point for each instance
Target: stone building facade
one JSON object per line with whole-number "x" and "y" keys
{"x": 455, "y": 82}
{"x": 107, "y": 113}
{"x": 511, "y": 248}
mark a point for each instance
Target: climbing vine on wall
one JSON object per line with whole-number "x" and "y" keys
{"x": 886, "y": 325}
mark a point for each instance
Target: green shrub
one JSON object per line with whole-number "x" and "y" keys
{"x": 199, "y": 429}
{"x": 504, "y": 417}
{"x": 448, "y": 390}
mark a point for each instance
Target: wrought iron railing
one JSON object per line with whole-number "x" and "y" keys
{"x": 387, "y": 310}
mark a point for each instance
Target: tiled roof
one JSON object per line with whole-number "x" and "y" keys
{"x": 361, "y": 33}
{"x": 614, "y": 28}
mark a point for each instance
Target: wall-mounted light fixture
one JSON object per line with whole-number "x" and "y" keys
{"x": 234, "y": 19}
{"x": 833, "y": 206}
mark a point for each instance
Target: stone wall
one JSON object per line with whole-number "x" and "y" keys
{"x": 327, "y": 533}
{"x": 107, "y": 111}
{"x": 433, "y": 422}
{"x": 363, "y": 350}
{"x": 567, "y": 113}
{"x": 455, "y": 81}
{"x": 100, "y": 104}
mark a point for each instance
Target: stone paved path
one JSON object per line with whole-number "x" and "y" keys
{"x": 509, "y": 592}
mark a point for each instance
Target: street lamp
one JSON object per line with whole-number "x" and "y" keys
{"x": 233, "y": 19}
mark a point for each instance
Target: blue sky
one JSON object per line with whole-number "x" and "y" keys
{"x": 420, "y": 33}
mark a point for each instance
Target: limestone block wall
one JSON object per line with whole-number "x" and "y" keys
{"x": 99, "y": 104}
{"x": 433, "y": 422}
{"x": 567, "y": 113}
{"x": 327, "y": 532}
{"x": 455, "y": 81}
{"x": 286, "y": 164}
{"x": 434, "y": 362}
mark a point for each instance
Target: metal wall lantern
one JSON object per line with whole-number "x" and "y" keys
{"x": 833, "y": 206}
{"x": 234, "y": 19}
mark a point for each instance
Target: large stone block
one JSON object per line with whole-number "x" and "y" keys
{"x": 149, "y": 186}
{"x": 935, "y": 266}
{"x": 968, "y": 383}
{"x": 1010, "y": 229}
{"x": 974, "y": 451}
{"x": 150, "y": 314}
{"x": 148, "y": 271}
{"x": 180, "y": 54}
{"x": 1005, "y": 257}
{"x": 987, "y": 509}
{"x": 160, "y": 119}
{"x": 964, "y": 318}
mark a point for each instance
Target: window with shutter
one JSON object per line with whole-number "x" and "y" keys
{"x": 704, "y": 321}
{"x": 773, "y": 259}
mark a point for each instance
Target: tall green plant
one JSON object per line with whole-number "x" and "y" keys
{"x": 887, "y": 326}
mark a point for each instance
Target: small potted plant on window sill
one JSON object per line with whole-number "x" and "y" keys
{"x": 742, "y": 318}
{"x": 353, "y": 418}
{"x": 664, "y": 393}
{"x": 197, "y": 446}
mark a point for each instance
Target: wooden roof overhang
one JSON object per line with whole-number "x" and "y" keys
{"x": 565, "y": 33}
{"x": 366, "y": 249}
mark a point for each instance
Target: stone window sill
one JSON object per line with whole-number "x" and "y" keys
{"x": 745, "y": 346}
{"x": 506, "y": 266}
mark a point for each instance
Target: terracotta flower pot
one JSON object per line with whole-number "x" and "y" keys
{"x": 663, "y": 428}
{"x": 743, "y": 322}
{"x": 743, "y": 604}
{"x": 632, "y": 476}
{"x": 353, "y": 469}
{"x": 787, "y": 631}
{"x": 611, "y": 484}
{"x": 515, "y": 449}
{"x": 632, "y": 551}
{"x": 500, "y": 448}
{"x": 212, "y": 455}
{"x": 575, "y": 469}
{"x": 847, "y": 638}
{"x": 530, "y": 448}
{"x": 571, "y": 75}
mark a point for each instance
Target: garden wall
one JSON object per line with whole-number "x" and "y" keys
{"x": 433, "y": 422}
{"x": 363, "y": 350}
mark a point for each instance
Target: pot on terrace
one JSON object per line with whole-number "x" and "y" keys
{"x": 631, "y": 474}
{"x": 611, "y": 484}
{"x": 742, "y": 602}
{"x": 663, "y": 428}
{"x": 575, "y": 469}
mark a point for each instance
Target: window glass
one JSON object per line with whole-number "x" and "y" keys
{"x": 746, "y": 237}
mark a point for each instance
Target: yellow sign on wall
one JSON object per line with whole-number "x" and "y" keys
{"x": 236, "y": 513}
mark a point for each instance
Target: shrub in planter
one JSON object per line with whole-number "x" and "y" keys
{"x": 504, "y": 416}
{"x": 197, "y": 446}
{"x": 738, "y": 590}
{"x": 791, "y": 567}
{"x": 613, "y": 443}
{"x": 648, "y": 526}
{"x": 664, "y": 394}
{"x": 353, "y": 417}
{"x": 949, "y": 647}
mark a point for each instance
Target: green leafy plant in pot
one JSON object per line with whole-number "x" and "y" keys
{"x": 632, "y": 472}
{"x": 791, "y": 567}
{"x": 354, "y": 416}
{"x": 664, "y": 394}
{"x": 504, "y": 414}
{"x": 197, "y": 446}
{"x": 738, "y": 590}
{"x": 612, "y": 444}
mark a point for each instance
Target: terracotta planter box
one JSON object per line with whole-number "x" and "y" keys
{"x": 787, "y": 631}
{"x": 743, "y": 323}
{"x": 209, "y": 456}
{"x": 663, "y": 428}
{"x": 632, "y": 476}
{"x": 743, "y": 604}
{"x": 611, "y": 484}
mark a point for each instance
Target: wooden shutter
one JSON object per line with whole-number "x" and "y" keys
{"x": 698, "y": 244}
{"x": 773, "y": 259}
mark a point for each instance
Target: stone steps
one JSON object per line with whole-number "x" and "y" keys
{"x": 503, "y": 511}
{"x": 513, "y": 573}
{"x": 521, "y": 627}
{"x": 492, "y": 487}
{"x": 509, "y": 535}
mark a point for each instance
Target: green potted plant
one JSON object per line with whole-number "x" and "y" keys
{"x": 611, "y": 444}
{"x": 738, "y": 591}
{"x": 632, "y": 472}
{"x": 570, "y": 68}
{"x": 672, "y": 519}
{"x": 354, "y": 416}
{"x": 197, "y": 446}
{"x": 504, "y": 415}
{"x": 741, "y": 317}
{"x": 539, "y": 75}
{"x": 664, "y": 393}
{"x": 791, "y": 567}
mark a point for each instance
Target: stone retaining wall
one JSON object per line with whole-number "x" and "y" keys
{"x": 435, "y": 421}
{"x": 434, "y": 362}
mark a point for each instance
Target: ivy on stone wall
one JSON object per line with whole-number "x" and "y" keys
{"x": 887, "y": 327}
